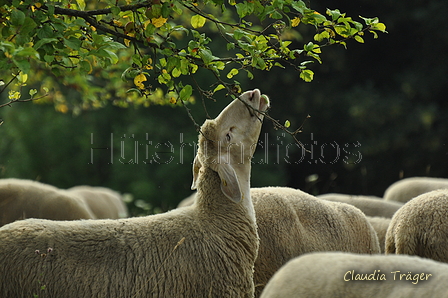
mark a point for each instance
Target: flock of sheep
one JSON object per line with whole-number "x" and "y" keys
{"x": 227, "y": 239}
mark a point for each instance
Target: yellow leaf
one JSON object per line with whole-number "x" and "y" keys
{"x": 138, "y": 81}
{"x": 287, "y": 123}
{"x": 197, "y": 21}
{"x": 62, "y": 108}
{"x": 359, "y": 39}
{"x": 22, "y": 77}
{"x": 295, "y": 22}
{"x": 127, "y": 42}
{"x": 158, "y": 22}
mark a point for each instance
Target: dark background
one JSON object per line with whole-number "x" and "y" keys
{"x": 378, "y": 113}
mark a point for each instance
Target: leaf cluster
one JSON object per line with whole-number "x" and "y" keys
{"x": 146, "y": 52}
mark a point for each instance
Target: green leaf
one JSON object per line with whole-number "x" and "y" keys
{"x": 28, "y": 26}
{"x": 27, "y": 53}
{"x": 321, "y": 36}
{"x": 81, "y": 4}
{"x": 85, "y": 66}
{"x": 176, "y": 72}
{"x": 197, "y": 21}
{"x": 307, "y": 75}
{"x": 150, "y": 29}
{"x": 185, "y": 93}
{"x": 219, "y": 87}
{"x": 23, "y": 65}
{"x": 238, "y": 34}
{"x": 73, "y": 43}
{"x": 335, "y": 14}
{"x": 359, "y": 39}
{"x": 32, "y": 92}
{"x": 232, "y": 73}
{"x": 17, "y": 17}
{"x": 379, "y": 26}
{"x": 115, "y": 10}
{"x": 287, "y": 124}
{"x": 206, "y": 55}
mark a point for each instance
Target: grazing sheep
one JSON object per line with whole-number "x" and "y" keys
{"x": 380, "y": 225}
{"x": 338, "y": 274}
{"x": 20, "y": 199}
{"x": 291, "y": 223}
{"x": 370, "y": 205}
{"x": 420, "y": 227}
{"x": 102, "y": 201}
{"x": 204, "y": 250}
{"x": 408, "y": 188}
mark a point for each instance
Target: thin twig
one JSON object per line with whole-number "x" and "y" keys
{"x": 22, "y": 100}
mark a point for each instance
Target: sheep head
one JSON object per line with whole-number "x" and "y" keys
{"x": 227, "y": 143}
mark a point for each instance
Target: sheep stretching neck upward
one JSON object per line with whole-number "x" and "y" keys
{"x": 204, "y": 250}
{"x": 337, "y": 274}
{"x": 420, "y": 227}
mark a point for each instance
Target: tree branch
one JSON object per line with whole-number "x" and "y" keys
{"x": 21, "y": 100}
{"x": 88, "y": 16}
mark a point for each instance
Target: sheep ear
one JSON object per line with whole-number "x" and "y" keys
{"x": 229, "y": 182}
{"x": 196, "y": 167}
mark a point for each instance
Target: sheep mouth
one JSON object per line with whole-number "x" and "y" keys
{"x": 257, "y": 104}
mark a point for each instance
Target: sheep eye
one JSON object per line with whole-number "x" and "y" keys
{"x": 228, "y": 137}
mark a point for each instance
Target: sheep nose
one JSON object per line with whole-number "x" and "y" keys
{"x": 251, "y": 95}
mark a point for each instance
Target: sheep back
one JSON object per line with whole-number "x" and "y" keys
{"x": 329, "y": 274}
{"x": 370, "y": 205}
{"x": 168, "y": 255}
{"x": 103, "y": 202}
{"x": 408, "y": 188}
{"x": 20, "y": 199}
{"x": 380, "y": 225}
{"x": 420, "y": 227}
{"x": 291, "y": 223}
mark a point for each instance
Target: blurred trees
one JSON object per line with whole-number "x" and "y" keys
{"x": 378, "y": 112}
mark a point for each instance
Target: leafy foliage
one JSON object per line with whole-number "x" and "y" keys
{"x": 142, "y": 53}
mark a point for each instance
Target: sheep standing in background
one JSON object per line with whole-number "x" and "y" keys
{"x": 370, "y": 205}
{"x": 204, "y": 250}
{"x": 102, "y": 201}
{"x": 380, "y": 225}
{"x": 337, "y": 274}
{"x": 21, "y": 199}
{"x": 291, "y": 223}
{"x": 420, "y": 227}
{"x": 408, "y": 188}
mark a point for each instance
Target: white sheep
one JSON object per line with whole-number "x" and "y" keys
{"x": 420, "y": 227}
{"x": 103, "y": 202}
{"x": 204, "y": 250}
{"x": 291, "y": 223}
{"x": 337, "y": 274}
{"x": 380, "y": 225}
{"x": 370, "y": 205}
{"x": 20, "y": 199}
{"x": 408, "y": 188}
